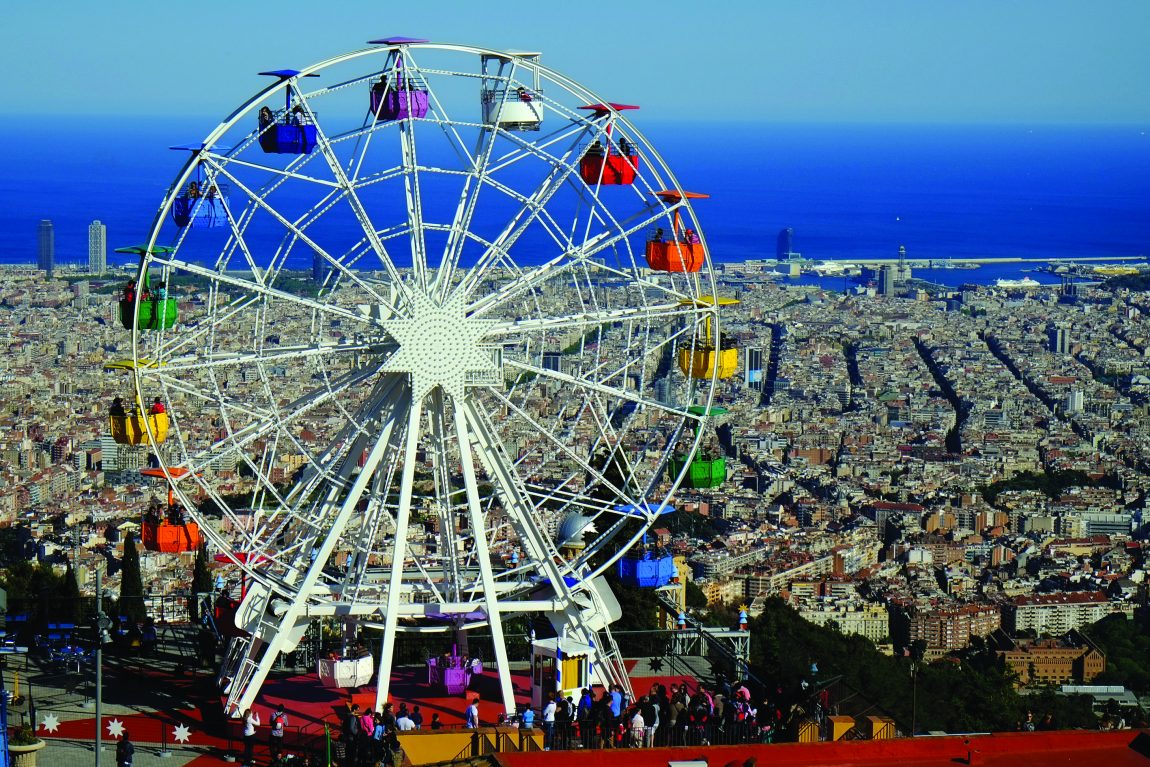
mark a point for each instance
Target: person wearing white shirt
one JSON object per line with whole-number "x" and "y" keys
{"x": 404, "y": 723}
{"x": 549, "y": 722}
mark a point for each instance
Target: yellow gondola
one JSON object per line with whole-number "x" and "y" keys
{"x": 133, "y": 425}
{"x": 712, "y": 356}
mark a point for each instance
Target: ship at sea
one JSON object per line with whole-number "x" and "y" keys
{"x": 1025, "y": 282}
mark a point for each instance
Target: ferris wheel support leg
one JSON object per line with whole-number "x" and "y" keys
{"x": 399, "y": 553}
{"x": 483, "y": 556}
{"x": 269, "y": 639}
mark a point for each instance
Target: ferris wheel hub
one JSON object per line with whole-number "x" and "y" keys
{"x": 440, "y": 345}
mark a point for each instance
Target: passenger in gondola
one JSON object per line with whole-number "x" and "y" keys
{"x": 596, "y": 149}
{"x": 524, "y": 94}
{"x": 130, "y": 291}
{"x": 162, "y": 289}
{"x": 691, "y": 236}
{"x": 266, "y": 117}
{"x": 117, "y": 408}
{"x": 297, "y": 116}
{"x": 193, "y": 190}
{"x": 212, "y": 191}
{"x": 157, "y": 407}
{"x": 625, "y": 147}
{"x": 658, "y": 236}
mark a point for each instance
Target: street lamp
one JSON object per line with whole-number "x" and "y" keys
{"x": 103, "y": 624}
{"x": 913, "y": 697}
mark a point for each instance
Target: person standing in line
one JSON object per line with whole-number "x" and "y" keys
{"x": 251, "y": 722}
{"x": 276, "y": 737}
{"x": 351, "y": 735}
{"x": 549, "y": 722}
{"x": 125, "y": 751}
{"x": 473, "y": 714}
{"x": 417, "y": 717}
{"x": 366, "y": 736}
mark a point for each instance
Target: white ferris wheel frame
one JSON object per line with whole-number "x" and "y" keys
{"x": 167, "y": 359}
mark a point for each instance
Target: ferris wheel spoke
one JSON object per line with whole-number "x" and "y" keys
{"x": 482, "y": 553}
{"x": 563, "y": 447}
{"x": 513, "y": 493}
{"x": 445, "y": 492}
{"x": 531, "y": 209}
{"x": 277, "y": 355}
{"x": 298, "y": 232}
{"x": 266, "y": 291}
{"x": 598, "y": 387}
{"x": 266, "y": 422}
{"x": 464, "y": 212}
{"x": 576, "y": 256}
{"x": 399, "y": 551}
{"x": 358, "y": 209}
{"x": 413, "y": 197}
{"x": 593, "y": 319}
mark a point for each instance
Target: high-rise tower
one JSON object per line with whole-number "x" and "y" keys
{"x": 784, "y": 244}
{"x": 47, "y": 258}
{"x": 319, "y": 268}
{"x": 97, "y": 248}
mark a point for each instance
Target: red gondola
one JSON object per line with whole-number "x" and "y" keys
{"x": 611, "y": 164}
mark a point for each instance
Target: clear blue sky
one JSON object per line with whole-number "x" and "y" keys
{"x": 1027, "y": 61}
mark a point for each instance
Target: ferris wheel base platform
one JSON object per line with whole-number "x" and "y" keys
{"x": 304, "y": 695}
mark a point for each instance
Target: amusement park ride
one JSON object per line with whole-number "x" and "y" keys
{"x": 459, "y": 424}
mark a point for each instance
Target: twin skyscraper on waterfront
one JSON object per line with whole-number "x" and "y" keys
{"x": 97, "y": 247}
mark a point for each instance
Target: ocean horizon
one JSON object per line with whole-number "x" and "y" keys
{"x": 849, "y": 191}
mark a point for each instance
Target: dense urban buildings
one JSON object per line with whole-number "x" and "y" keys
{"x": 926, "y": 470}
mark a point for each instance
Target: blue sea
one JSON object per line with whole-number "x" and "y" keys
{"x": 849, "y": 191}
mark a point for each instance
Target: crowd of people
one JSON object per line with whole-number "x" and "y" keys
{"x": 664, "y": 716}
{"x": 370, "y": 737}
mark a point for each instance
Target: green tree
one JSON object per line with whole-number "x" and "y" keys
{"x": 201, "y": 581}
{"x": 131, "y": 584}
{"x": 72, "y": 609}
{"x": 695, "y": 597}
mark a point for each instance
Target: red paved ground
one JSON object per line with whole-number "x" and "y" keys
{"x": 309, "y": 706}
{"x": 1123, "y": 748}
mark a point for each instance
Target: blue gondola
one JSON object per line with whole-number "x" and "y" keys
{"x": 647, "y": 570}
{"x": 290, "y": 130}
{"x": 202, "y": 202}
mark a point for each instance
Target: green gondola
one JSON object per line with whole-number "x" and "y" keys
{"x": 708, "y": 468}
{"x": 154, "y": 313}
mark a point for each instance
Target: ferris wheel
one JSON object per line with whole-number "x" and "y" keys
{"x": 437, "y": 342}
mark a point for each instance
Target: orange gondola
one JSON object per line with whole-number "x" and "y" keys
{"x": 175, "y": 534}
{"x": 683, "y": 251}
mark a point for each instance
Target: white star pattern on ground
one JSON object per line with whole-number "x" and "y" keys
{"x": 182, "y": 733}
{"x": 50, "y": 722}
{"x": 115, "y": 728}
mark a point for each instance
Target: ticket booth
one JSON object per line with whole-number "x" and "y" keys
{"x": 559, "y": 665}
